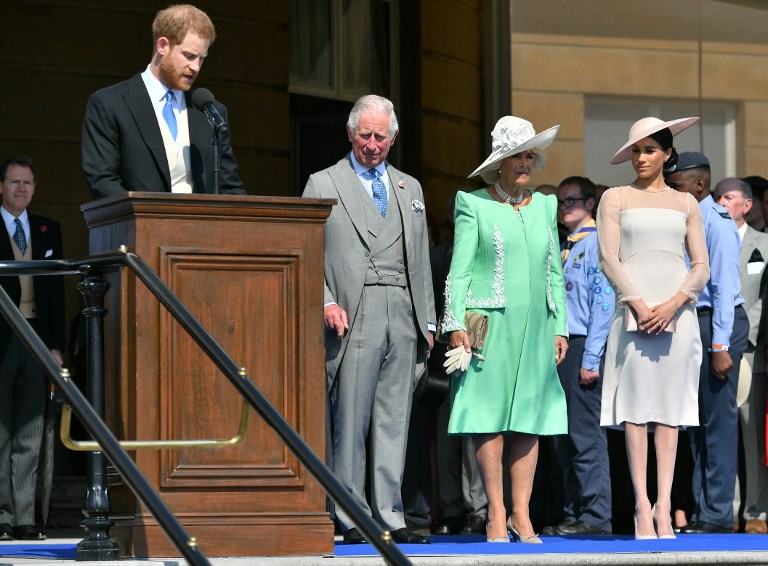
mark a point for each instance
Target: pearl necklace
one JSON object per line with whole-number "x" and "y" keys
{"x": 509, "y": 198}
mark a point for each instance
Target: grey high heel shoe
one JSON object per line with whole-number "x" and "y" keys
{"x": 495, "y": 539}
{"x": 531, "y": 539}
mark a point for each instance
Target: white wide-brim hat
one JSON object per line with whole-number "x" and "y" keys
{"x": 513, "y": 135}
{"x": 647, "y": 126}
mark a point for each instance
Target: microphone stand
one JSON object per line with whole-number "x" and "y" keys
{"x": 203, "y": 100}
{"x": 217, "y": 129}
{"x": 216, "y": 159}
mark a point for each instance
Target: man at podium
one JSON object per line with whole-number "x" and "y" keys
{"x": 379, "y": 313}
{"x": 144, "y": 134}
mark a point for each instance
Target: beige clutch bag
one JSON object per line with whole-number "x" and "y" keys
{"x": 477, "y": 330}
{"x": 630, "y": 321}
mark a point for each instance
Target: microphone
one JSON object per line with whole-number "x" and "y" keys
{"x": 203, "y": 100}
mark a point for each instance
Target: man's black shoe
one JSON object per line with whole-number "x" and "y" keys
{"x": 404, "y": 536}
{"x": 579, "y": 528}
{"x": 353, "y": 536}
{"x": 475, "y": 525}
{"x": 6, "y": 532}
{"x": 29, "y": 532}
{"x": 704, "y": 528}
{"x": 554, "y": 529}
{"x": 448, "y": 526}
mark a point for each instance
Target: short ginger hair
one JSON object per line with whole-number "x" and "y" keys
{"x": 174, "y": 22}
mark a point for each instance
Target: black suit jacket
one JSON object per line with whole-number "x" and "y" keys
{"x": 122, "y": 147}
{"x": 45, "y": 237}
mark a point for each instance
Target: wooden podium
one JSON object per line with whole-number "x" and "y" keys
{"x": 251, "y": 270}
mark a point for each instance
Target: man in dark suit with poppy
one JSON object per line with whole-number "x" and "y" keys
{"x": 144, "y": 134}
{"x": 22, "y": 382}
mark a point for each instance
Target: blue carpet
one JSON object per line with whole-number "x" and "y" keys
{"x": 458, "y": 545}
{"x": 64, "y": 551}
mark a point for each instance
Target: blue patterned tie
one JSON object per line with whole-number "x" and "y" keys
{"x": 168, "y": 114}
{"x": 19, "y": 237}
{"x": 379, "y": 190}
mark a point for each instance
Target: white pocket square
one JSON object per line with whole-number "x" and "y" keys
{"x": 49, "y": 253}
{"x": 417, "y": 205}
{"x": 755, "y": 267}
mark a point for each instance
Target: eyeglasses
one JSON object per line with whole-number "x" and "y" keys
{"x": 569, "y": 202}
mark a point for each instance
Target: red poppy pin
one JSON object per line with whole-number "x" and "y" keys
{"x": 43, "y": 228}
{"x": 401, "y": 184}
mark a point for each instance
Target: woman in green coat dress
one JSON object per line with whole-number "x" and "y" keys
{"x": 506, "y": 265}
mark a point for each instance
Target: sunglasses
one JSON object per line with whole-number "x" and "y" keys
{"x": 569, "y": 202}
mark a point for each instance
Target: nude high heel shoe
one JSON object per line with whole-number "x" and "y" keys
{"x": 656, "y": 525}
{"x": 642, "y": 537}
{"x": 532, "y": 539}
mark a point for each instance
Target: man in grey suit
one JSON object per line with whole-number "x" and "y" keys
{"x": 379, "y": 313}
{"x": 736, "y": 196}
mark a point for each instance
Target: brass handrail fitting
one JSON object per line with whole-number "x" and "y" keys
{"x": 93, "y": 446}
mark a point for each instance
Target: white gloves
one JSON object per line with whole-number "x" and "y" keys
{"x": 458, "y": 360}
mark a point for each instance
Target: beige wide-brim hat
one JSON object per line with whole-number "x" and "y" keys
{"x": 745, "y": 382}
{"x": 510, "y": 136}
{"x": 647, "y": 126}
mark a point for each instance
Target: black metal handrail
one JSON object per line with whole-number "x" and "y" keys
{"x": 93, "y": 423}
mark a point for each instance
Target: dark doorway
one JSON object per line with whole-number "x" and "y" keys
{"x": 318, "y": 136}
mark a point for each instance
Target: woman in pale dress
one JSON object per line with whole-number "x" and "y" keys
{"x": 654, "y": 351}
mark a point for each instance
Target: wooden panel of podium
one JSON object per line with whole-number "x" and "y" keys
{"x": 250, "y": 269}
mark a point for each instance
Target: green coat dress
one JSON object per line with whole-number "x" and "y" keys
{"x": 506, "y": 264}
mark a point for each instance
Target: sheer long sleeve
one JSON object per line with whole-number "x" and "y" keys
{"x": 649, "y": 221}
{"x": 696, "y": 246}
{"x": 609, "y": 240}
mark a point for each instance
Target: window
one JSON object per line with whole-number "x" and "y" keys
{"x": 608, "y": 120}
{"x": 340, "y": 48}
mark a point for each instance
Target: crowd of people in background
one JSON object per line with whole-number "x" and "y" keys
{"x": 525, "y": 350}
{"x": 569, "y": 359}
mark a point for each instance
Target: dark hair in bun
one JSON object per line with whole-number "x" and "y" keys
{"x": 664, "y": 139}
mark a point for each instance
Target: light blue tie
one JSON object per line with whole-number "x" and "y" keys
{"x": 168, "y": 114}
{"x": 19, "y": 237}
{"x": 379, "y": 190}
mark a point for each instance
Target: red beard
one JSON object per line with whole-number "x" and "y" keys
{"x": 172, "y": 78}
